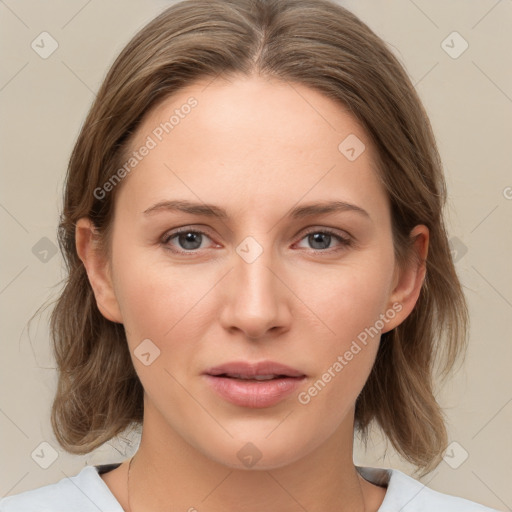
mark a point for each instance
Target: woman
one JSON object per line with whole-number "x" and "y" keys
{"x": 258, "y": 268}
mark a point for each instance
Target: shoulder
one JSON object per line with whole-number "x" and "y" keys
{"x": 406, "y": 494}
{"x": 84, "y": 492}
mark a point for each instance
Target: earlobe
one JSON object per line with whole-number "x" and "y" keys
{"x": 409, "y": 281}
{"x": 98, "y": 269}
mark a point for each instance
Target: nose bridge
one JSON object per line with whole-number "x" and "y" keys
{"x": 253, "y": 263}
{"x": 256, "y": 301}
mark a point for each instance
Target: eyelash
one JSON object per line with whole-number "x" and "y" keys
{"x": 344, "y": 241}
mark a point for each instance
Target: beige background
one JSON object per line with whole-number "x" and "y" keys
{"x": 43, "y": 103}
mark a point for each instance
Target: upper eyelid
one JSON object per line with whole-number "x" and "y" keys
{"x": 205, "y": 230}
{"x": 306, "y": 231}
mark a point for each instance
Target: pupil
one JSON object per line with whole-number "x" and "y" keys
{"x": 317, "y": 238}
{"x": 190, "y": 240}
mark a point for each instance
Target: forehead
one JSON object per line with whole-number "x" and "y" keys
{"x": 252, "y": 142}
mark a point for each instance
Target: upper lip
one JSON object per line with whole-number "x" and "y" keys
{"x": 248, "y": 369}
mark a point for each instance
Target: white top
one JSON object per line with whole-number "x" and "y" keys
{"x": 87, "y": 492}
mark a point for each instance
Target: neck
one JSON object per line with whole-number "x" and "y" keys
{"x": 167, "y": 471}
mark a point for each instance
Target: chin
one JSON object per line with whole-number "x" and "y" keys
{"x": 261, "y": 453}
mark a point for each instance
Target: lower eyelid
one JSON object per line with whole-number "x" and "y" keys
{"x": 344, "y": 241}
{"x": 168, "y": 237}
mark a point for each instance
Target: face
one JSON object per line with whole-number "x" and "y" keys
{"x": 264, "y": 280}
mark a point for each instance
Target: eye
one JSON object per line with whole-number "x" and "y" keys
{"x": 320, "y": 240}
{"x": 188, "y": 240}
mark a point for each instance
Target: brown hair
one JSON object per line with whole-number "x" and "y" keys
{"x": 321, "y": 45}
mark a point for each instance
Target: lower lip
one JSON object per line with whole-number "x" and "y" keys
{"x": 252, "y": 393}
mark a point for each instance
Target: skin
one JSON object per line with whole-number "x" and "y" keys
{"x": 257, "y": 148}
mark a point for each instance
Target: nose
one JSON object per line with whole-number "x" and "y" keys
{"x": 256, "y": 299}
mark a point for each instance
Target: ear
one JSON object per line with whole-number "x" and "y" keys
{"x": 98, "y": 269}
{"x": 407, "y": 282}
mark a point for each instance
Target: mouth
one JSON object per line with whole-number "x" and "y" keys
{"x": 256, "y": 377}
{"x": 254, "y": 385}
{"x": 263, "y": 370}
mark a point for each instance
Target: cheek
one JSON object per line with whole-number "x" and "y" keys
{"x": 156, "y": 297}
{"x": 165, "y": 305}
{"x": 349, "y": 307}
{"x": 346, "y": 299}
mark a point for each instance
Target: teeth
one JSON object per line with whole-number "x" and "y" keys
{"x": 256, "y": 377}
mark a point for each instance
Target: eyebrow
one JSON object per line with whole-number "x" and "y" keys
{"x": 211, "y": 210}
